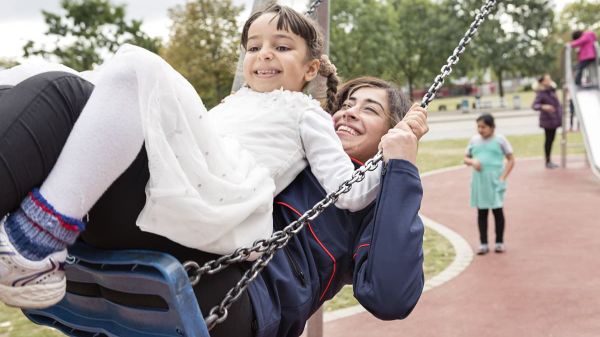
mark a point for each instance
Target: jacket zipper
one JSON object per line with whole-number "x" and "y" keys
{"x": 296, "y": 268}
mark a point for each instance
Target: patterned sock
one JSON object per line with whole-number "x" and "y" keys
{"x": 37, "y": 230}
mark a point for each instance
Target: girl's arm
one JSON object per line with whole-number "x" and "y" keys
{"x": 510, "y": 163}
{"x": 331, "y": 165}
{"x": 472, "y": 162}
{"x": 539, "y": 105}
{"x": 468, "y": 159}
{"x": 583, "y": 39}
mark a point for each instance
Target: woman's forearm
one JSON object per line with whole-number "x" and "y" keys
{"x": 388, "y": 275}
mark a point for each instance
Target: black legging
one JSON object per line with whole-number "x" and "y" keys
{"x": 550, "y": 134}
{"x": 36, "y": 117}
{"x": 482, "y": 221}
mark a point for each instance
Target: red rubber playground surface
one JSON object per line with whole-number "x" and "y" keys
{"x": 546, "y": 284}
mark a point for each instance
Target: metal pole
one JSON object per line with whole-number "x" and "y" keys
{"x": 238, "y": 80}
{"x": 563, "y": 141}
{"x": 315, "y": 324}
{"x": 318, "y": 87}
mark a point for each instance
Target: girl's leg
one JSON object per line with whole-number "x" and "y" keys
{"x": 499, "y": 220}
{"x": 482, "y": 222}
{"x": 36, "y": 117}
{"x": 104, "y": 141}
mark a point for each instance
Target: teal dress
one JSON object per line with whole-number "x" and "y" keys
{"x": 487, "y": 191}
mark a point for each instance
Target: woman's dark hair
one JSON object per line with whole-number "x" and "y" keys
{"x": 398, "y": 102}
{"x": 576, "y": 34}
{"x": 541, "y": 78}
{"x": 290, "y": 20}
{"x": 487, "y": 119}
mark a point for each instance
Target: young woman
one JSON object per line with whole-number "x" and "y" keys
{"x": 550, "y": 110}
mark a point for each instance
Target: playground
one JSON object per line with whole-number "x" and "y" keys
{"x": 542, "y": 281}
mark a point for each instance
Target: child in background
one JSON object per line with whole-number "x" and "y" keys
{"x": 586, "y": 51}
{"x": 486, "y": 153}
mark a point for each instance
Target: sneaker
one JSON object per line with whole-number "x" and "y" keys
{"x": 499, "y": 247}
{"x": 30, "y": 284}
{"x": 483, "y": 249}
{"x": 551, "y": 165}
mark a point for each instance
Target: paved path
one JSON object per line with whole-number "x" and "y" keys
{"x": 456, "y": 126}
{"x": 546, "y": 284}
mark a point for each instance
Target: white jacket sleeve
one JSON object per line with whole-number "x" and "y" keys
{"x": 331, "y": 165}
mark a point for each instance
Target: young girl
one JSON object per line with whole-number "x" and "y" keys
{"x": 485, "y": 153}
{"x": 213, "y": 174}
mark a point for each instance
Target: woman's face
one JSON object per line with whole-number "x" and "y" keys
{"x": 361, "y": 122}
{"x": 547, "y": 81}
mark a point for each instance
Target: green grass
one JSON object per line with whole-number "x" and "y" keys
{"x": 438, "y": 254}
{"x": 438, "y": 251}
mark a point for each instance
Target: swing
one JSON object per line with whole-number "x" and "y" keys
{"x": 97, "y": 279}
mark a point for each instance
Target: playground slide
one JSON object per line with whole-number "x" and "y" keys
{"x": 587, "y": 106}
{"x": 587, "y": 109}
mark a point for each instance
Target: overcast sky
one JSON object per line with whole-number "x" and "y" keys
{"x": 21, "y": 20}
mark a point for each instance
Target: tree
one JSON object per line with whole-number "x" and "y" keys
{"x": 517, "y": 38}
{"x": 93, "y": 29}
{"x": 7, "y": 63}
{"x": 403, "y": 41}
{"x": 204, "y": 45}
{"x": 583, "y": 14}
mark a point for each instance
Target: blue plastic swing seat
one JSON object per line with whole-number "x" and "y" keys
{"x": 132, "y": 293}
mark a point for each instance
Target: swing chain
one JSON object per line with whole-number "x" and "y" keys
{"x": 268, "y": 247}
{"x": 313, "y": 7}
{"x": 484, "y": 11}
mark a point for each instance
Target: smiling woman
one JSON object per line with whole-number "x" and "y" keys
{"x": 368, "y": 108}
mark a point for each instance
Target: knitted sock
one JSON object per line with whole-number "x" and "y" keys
{"x": 37, "y": 230}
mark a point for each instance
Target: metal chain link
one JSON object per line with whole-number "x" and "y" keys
{"x": 268, "y": 247}
{"x": 313, "y": 7}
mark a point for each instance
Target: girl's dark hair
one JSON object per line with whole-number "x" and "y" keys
{"x": 576, "y": 34}
{"x": 487, "y": 119}
{"x": 290, "y": 20}
{"x": 398, "y": 102}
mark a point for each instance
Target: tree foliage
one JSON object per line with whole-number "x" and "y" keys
{"x": 581, "y": 15}
{"x": 204, "y": 46}
{"x": 405, "y": 41}
{"x": 6, "y": 63}
{"x": 89, "y": 30}
{"x": 518, "y": 38}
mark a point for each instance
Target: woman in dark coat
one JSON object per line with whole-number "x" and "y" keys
{"x": 547, "y": 103}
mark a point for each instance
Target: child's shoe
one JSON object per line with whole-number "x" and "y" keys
{"x": 483, "y": 249}
{"x": 499, "y": 247}
{"x": 30, "y": 284}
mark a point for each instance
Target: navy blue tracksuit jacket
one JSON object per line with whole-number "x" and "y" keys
{"x": 378, "y": 250}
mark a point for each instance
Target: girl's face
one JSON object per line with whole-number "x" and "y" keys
{"x": 362, "y": 121}
{"x": 484, "y": 130}
{"x": 276, "y": 59}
